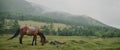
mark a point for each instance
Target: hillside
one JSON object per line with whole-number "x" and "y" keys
{"x": 18, "y": 6}
{"x": 73, "y": 19}
{"x": 80, "y": 25}
{"x": 23, "y": 9}
{"x": 15, "y": 6}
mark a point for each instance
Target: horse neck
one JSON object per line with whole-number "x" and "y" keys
{"x": 43, "y": 39}
{"x": 42, "y": 36}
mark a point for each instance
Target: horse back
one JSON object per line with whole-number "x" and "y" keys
{"x": 30, "y": 30}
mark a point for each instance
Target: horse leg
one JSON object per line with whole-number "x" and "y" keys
{"x": 20, "y": 39}
{"x": 35, "y": 39}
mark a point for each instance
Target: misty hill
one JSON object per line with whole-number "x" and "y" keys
{"x": 73, "y": 19}
{"x": 18, "y": 6}
{"x": 22, "y": 9}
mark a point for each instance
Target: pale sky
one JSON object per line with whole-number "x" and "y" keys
{"x": 106, "y": 11}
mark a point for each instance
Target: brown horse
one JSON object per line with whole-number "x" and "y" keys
{"x": 31, "y": 31}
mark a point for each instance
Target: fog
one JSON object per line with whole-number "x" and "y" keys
{"x": 106, "y": 11}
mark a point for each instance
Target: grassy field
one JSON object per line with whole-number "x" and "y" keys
{"x": 71, "y": 43}
{"x": 39, "y": 24}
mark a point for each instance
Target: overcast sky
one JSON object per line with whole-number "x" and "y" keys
{"x": 106, "y": 11}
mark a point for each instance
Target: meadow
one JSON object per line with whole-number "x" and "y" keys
{"x": 71, "y": 43}
{"x": 39, "y": 24}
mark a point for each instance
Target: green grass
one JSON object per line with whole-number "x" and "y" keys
{"x": 72, "y": 43}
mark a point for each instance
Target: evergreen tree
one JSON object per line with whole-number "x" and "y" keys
{"x": 2, "y": 21}
{"x": 15, "y": 25}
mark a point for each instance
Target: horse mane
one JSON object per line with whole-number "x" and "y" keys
{"x": 43, "y": 38}
{"x": 42, "y": 35}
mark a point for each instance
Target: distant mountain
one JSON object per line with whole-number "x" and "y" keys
{"x": 22, "y": 7}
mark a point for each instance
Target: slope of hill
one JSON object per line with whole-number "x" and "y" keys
{"x": 21, "y": 8}
{"x": 73, "y": 19}
{"x": 80, "y": 25}
{"x": 18, "y": 6}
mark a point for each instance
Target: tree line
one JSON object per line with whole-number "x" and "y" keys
{"x": 7, "y": 26}
{"x": 81, "y": 31}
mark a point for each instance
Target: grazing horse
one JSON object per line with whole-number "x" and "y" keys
{"x": 31, "y": 31}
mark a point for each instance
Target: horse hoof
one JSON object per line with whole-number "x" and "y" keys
{"x": 20, "y": 44}
{"x": 34, "y": 45}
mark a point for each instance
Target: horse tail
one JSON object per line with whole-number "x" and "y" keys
{"x": 15, "y": 35}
